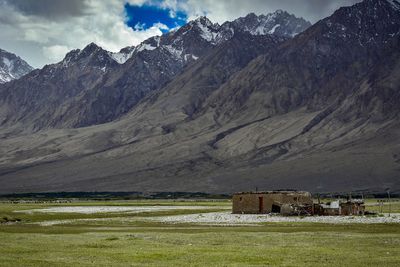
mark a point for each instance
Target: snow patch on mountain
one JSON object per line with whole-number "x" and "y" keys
{"x": 12, "y": 67}
{"x": 206, "y": 32}
{"x": 144, "y": 46}
{"x": 177, "y": 53}
{"x": 121, "y": 57}
{"x": 179, "y": 43}
{"x": 8, "y": 63}
{"x": 272, "y": 31}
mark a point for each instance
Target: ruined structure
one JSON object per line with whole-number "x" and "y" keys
{"x": 292, "y": 203}
{"x": 283, "y": 202}
{"x": 338, "y": 207}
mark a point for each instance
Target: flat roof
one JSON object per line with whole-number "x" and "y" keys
{"x": 273, "y": 192}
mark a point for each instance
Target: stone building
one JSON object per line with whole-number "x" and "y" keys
{"x": 283, "y": 202}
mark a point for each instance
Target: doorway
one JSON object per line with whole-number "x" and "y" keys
{"x": 275, "y": 209}
{"x": 260, "y": 204}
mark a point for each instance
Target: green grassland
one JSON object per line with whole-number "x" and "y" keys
{"x": 126, "y": 241}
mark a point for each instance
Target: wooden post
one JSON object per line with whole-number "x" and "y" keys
{"x": 390, "y": 204}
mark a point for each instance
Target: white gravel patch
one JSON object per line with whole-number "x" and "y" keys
{"x": 110, "y": 209}
{"x": 226, "y": 218}
{"x": 75, "y": 221}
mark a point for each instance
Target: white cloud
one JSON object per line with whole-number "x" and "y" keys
{"x": 55, "y": 52}
{"x": 160, "y": 26}
{"x": 102, "y": 23}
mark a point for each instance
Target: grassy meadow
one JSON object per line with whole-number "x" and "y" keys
{"x": 126, "y": 239}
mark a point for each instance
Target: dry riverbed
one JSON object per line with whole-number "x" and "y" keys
{"x": 204, "y": 218}
{"x": 114, "y": 209}
{"x": 226, "y": 218}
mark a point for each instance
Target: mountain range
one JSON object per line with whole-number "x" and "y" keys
{"x": 266, "y": 101}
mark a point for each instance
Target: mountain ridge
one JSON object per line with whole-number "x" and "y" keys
{"x": 315, "y": 112}
{"x": 94, "y": 86}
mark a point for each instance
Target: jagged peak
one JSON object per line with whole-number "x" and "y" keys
{"x": 280, "y": 12}
{"x": 376, "y": 4}
{"x": 203, "y": 20}
{"x": 393, "y": 3}
{"x": 209, "y": 31}
{"x": 251, "y": 15}
{"x": 278, "y": 23}
{"x": 91, "y": 48}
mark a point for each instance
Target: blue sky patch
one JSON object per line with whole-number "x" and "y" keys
{"x": 144, "y": 17}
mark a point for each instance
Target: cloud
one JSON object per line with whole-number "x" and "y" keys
{"x": 54, "y": 9}
{"x": 41, "y": 31}
{"x": 55, "y": 52}
{"x": 24, "y": 25}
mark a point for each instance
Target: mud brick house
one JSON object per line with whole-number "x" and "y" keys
{"x": 352, "y": 207}
{"x": 283, "y": 202}
{"x": 340, "y": 208}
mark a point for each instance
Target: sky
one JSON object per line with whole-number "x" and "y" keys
{"x": 43, "y": 31}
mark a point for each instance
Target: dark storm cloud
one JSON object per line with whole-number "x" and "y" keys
{"x": 314, "y": 10}
{"x": 50, "y": 9}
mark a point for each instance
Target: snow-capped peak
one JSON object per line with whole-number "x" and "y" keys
{"x": 278, "y": 23}
{"x": 12, "y": 67}
{"x": 181, "y": 43}
{"x": 203, "y": 20}
{"x": 207, "y": 32}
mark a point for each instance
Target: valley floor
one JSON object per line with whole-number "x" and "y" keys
{"x": 133, "y": 233}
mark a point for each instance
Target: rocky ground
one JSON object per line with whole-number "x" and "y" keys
{"x": 107, "y": 209}
{"x": 226, "y": 218}
{"x": 205, "y": 218}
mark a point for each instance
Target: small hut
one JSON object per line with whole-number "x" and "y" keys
{"x": 283, "y": 202}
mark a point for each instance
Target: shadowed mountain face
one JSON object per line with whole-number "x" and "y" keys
{"x": 323, "y": 66}
{"x": 12, "y": 67}
{"x": 95, "y": 86}
{"x": 316, "y": 112}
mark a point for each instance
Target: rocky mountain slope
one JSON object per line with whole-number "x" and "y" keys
{"x": 12, "y": 67}
{"x": 95, "y": 86}
{"x": 317, "y": 112}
